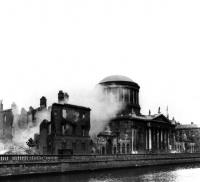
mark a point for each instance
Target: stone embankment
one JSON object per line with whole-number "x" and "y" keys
{"x": 39, "y": 164}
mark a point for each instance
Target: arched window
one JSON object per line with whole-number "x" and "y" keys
{"x": 131, "y": 96}
{"x": 115, "y": 150}
{"x": 83, "y": 147}
{"x": 128, "y": 148}
{"x": 118, "y": 148}
{"x": 64, "y": 145}
{"x": 74, "y": 146}
{"x": 5, "y": 118}
{"x": 103, "y": 150}
{"x": 123, "y": 148}
{"x": 135, "y": 98}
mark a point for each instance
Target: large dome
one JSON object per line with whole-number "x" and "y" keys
{"x": 124, "y": 90}
{"x": 120, "y": 79}
{"x": 116, "y": 78}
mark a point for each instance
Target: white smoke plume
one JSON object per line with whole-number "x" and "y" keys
{"x": 25, "y": 126}
{"x": 103, "y": 107}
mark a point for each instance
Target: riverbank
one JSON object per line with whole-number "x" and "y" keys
{"x": 41, "y": 164}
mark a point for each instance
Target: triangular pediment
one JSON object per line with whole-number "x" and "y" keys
{"x": 161, "y": 118}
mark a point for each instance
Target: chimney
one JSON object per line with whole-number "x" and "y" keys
{"x": 66, "y": 97}
{"x": 1, "y": 105}
{"x": 13, "y": 106}
{"x": 61, "y": 97}
{"x": 43, "y": 102}
{"x": 159, "y": 110}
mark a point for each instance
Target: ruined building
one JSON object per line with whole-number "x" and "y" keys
{"x": 34, "y": 113}
{"x": 187, "y": 138}
{"x": 67, "y": 132}
{"x": 6, "y": 124}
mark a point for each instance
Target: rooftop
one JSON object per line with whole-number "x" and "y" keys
{"x": 114, "y": 78}
{"x": 71, "y": 106}
{"x": 161, "y": 117}
{"x": 187, "y": 126}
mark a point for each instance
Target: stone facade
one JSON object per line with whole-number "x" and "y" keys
{"x": 68, "y": 130}
{"x": 6, "y": 124}
{"x": 187, "y": 138}
{"x": 124, "y": 90}
{"x": 130, "y": 131}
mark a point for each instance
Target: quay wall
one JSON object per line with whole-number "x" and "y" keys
{"x": 39, "y": 164}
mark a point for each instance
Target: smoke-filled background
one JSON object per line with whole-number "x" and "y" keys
{"x": 47, "y": 45}
{"x": 103, "y": 108}
{"x": 24, "y": 127}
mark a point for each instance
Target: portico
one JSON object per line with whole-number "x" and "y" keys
{"x": 133, "y": 131}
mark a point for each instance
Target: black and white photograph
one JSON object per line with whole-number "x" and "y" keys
{"x": 99, "y": 90}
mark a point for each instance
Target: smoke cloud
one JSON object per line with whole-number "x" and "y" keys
{"x": 103, "y": 107}
{"x": 26, "y": 126}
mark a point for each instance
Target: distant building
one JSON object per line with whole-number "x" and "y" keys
{"x": 187, "y": 138}
{"x": 130, "y": 131}
{"x": 32, "y": 114}
{"x": 68, "y": 130}
{"x": 6, "y": 124}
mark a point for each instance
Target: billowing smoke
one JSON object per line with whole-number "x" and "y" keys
{"x": 26, "y": 124}
{"x": 103, "y": 107}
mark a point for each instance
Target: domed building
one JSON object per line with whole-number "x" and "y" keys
{"x": 130, "y": 131}
{"x": 125, "y": 91}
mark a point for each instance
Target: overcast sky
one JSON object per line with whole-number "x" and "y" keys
{"x": 49, "y": 45}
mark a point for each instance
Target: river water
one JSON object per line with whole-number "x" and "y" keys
{"x": 175, "y": 173}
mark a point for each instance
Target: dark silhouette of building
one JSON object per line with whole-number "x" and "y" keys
{"x": 125, "y": 90}
{"x": 68, "y": 130}
{"x": 6, "y": 124}
{"x": 130, "y": 131}
{"x": 34, "y": 113}
{"x": 187, "y": 138}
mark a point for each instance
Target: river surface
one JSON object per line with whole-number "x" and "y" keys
{"x": 175, "y": 173}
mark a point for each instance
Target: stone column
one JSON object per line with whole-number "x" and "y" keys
{"x": 136, "y": 139}
{"x": 158, "y": 138}
{"x": 132, "y": 141}
{"x": 160, "y": 146}
{"x": 174, "y": 138}
{"x": 147, "y": 144}
{"x": 154, "y": 134}
{"x": 168, "y": 139}
{"x": 164, "y": 145}
{"x": 150, "y": 140}
{"x": 161, "y": 139}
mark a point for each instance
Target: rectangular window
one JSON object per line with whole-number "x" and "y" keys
{"x": 73, "y": 130}
{"x": 126, "y": 95}
{"x": 64, "y": 145}
{"x": 83, "y": 131}
{"x": 83, "y": 146}
{"x": 5, "y": 118}
{"x": 74, "y": 145}
{"x": 49, "y": 129}
{"x": 135, "y": 97}
{"x": 63, "y": 129}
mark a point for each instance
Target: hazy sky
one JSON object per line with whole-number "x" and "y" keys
{"x": 49, "y": 45}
